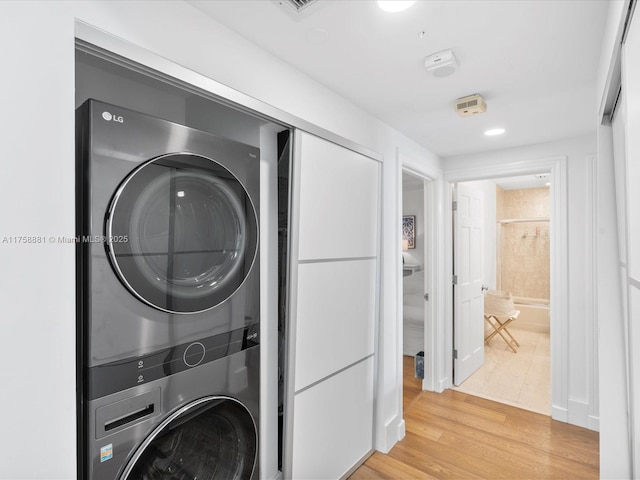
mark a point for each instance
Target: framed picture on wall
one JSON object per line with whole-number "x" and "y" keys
{"x": 408, "y": 232}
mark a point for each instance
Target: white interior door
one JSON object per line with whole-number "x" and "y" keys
{"x": 468, "y": 309}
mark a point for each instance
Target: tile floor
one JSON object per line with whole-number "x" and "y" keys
{"x": 519, "y": 379}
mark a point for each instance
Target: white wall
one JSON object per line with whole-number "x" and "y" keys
{"x": 38, "y": 281}
{"x": 580, "y": 389}
{"x": 37, "y": 284}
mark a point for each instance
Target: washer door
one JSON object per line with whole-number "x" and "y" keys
{"x": 211, "y": 438}
{"x": 182, "y": 233}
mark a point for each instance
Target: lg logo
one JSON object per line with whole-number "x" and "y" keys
{"x": 115, "y": 118}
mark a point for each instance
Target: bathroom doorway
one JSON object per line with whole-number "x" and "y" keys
{"x": 423, "y": 266}
{"x": 516, "y": 255}
{"x": 413, "y": 264}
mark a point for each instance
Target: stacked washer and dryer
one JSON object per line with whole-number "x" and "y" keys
{"x": 168, "y": 300}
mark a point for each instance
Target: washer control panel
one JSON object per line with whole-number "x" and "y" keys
{"x": 120, "y": 375}
{"x": 194, "y": 354}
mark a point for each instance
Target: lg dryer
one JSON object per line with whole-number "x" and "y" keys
{"x": 168, "y": 299}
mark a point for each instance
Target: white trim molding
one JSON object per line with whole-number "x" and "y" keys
{"x": 433, "y": 340}
{"x": 591, "y": 294}
{"x": 392, "y": 432}
{"x": 557, "y": 166}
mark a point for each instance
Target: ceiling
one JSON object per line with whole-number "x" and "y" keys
{"x": 534, "y": 61}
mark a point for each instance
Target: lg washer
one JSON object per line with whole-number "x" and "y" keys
{"x": 168, "y": 299}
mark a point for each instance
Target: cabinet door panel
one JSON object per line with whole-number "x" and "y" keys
{"x": 334, "y": 424}
{"x": 338, "y": 202}
{"x": 335, "y": 320}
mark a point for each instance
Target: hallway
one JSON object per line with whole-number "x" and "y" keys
{"x": 455, "y": 435}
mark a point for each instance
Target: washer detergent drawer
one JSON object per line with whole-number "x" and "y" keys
{"x": 120, "y": 415}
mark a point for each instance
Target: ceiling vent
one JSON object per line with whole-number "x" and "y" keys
{"x": 471, "y": 105}
{"x": 298, "y": 6}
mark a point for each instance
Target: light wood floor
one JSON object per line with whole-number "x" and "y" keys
{"x": 454, "y": 435}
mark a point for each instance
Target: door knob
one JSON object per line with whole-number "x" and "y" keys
{"x": 484, "y": 288}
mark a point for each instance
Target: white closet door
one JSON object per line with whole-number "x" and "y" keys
{"x": 335, "y": 308}
{"x": 334, "y": 427}
{"x": 335, "y": 233}
{"x": 338, "y": 202}
{"x": 631, "y": 89}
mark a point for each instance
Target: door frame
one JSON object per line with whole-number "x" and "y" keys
{"x": 558, "y": 270}
{"x": 433, "y": 258}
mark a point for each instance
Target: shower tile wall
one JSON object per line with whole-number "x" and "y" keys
{"x": 524, "y": 246}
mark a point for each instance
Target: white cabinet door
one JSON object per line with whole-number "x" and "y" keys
{"x": 334, "y": 307}
{"x": 336, "y": 313}
{"x": 334, "y": 424}
{"x": 338, "y": 201}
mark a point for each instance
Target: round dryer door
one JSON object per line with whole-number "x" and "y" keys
{"x": 182, "y": 233}
{"x": 213, "y": 438}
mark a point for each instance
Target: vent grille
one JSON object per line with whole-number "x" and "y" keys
{"x": 471, "y": 105}
{"x": 299, "y": 5}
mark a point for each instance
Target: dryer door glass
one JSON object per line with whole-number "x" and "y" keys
{"x": 182, "y": 233}
{"x": 214, "y": 438}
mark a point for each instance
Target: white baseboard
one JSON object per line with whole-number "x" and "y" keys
{"x": 443, "y": 384}
{"x": 393, "y": 432}
{"x": 560, "y": 414}
{"x": 594, "y": 423}
{"x": 402, "y": 431}
{"x": 578, "y": 413}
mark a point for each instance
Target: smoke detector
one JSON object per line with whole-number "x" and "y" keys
{"x": 441, "y": 64}
{"x": 471, "y": 105}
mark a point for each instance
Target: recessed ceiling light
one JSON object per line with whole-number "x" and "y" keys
{"x": 394, "y": 5}
{"x": 494, "y": 131}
